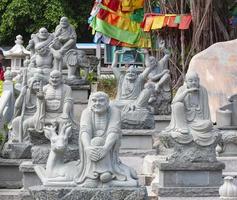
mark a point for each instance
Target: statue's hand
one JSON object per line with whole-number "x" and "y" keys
{"x": 102, "y": 152}
{"x": 93, "y": 153}
{"x": 190, "y": 90}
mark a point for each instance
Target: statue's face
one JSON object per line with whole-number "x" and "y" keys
{"x": 43, "y": 34}
{"x": 55, "y": 80}
{"x": 64, "y": 22}
{"x": 131, "y": 74}
{"x": 192, "y": 82}
{"x": 99, "y": 104}
{"x": 36, "y": 86}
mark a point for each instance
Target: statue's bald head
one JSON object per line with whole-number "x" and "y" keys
{"x": 64, "y": 22}
{"x": 192, "y": 79}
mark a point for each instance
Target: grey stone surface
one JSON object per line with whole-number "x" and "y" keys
{"x": 188, "y": 179}
{"x": 10, "y": 176}
{"x": 228, "y": 144}
{"x": 29, "y": 176}
{"x": 137, "y": 139}
{"x": 42, "y": 193}
{"x": 230, "y": 164}
{"x": 40, "y": 153}
{"x": 189, "y": 192}
{"x": 14, "y": 194}
{"x": 190, "y": 152}
{"x": 16, "y": 150}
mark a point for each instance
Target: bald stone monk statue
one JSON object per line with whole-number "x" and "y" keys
{"x": 99, "y": 139}
{"x": 190, "y": 118}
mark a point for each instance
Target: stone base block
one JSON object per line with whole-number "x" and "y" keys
{"x": 10, "y": 176}
{"x": 14, "y": 194}
{"x": 42, "y": 193}
{"x": 29, "y": 177}
{"x": 188, "y": 179}
{"x": 188, "y": 192}
{"x": 16, "y": 150}
{"x": 137, "y": 139}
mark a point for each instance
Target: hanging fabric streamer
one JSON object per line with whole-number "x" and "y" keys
{"x": 185, "y": 22}
{"x": 158, "y": 22}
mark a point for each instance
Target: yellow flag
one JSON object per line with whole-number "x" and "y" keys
{"x": 158, "y": 22}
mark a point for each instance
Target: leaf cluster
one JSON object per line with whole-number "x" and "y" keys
{"x": 28, "y": 16}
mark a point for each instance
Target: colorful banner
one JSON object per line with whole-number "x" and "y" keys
{"x": 153, "y": 21}
{"x": 124, "y": 28}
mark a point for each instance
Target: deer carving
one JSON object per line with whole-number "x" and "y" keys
{"x": 57, "y": 172}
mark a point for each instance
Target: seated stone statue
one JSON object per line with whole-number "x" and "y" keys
{"x": 55, "y": 104}
{"x": 42, "y": 57}
{"x": 25, "y": 107}
{"x": 99, "y": 139}
{"x": 190, "y": 118}
{"x": 65, "y": 39}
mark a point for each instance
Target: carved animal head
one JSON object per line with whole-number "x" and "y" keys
{"x": 58, "y": 141}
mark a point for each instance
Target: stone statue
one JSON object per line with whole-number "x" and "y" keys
{"x": 65, "y": 39}
{"x": 25, "y": 107}
{"x": 190, "y": 118}
{"x": 42, "y": 57}
{"x": 190, "y": 136}
{"x": 132, "y": 98}
{"x": 55, "y": 104}
{"x": 130, "y": 83}
{"x": 160, "y": 76}
{"x": 76, "y": 61}
{"x": 99, "y": 139}
{"x": 58, "y": 173}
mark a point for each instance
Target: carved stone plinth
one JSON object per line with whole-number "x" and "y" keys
{"x": 191, "y": 152}
{"x": 41, "y": 193}
{"x": 188, "y": 179}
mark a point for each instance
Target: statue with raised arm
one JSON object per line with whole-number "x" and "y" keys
{"x": 42, "y": 57}
{"x": 161, "y": 97}
{"x": 55, "y": 104}
{"x": 100, "y": 134}
{"x": 65, "y": 39}
{"x": 132, "y": 97}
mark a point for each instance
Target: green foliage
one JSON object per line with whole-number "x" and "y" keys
{"x": 107, "y": 84}
{"x": 28, "y": 16}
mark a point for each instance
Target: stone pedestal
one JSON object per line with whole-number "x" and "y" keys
{"x": 29, "y": 177}
{"x": 80, "y": 94}
{"x": 10, "y": 176}
{"x": 41, "y": 193}
{"x": 188, "y": 179}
